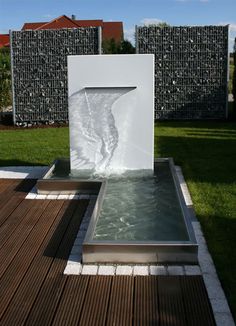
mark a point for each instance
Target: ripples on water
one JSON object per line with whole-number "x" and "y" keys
{"x": 141, "y": 207}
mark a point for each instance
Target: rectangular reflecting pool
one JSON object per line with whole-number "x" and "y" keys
{"x": 141, "y": 218}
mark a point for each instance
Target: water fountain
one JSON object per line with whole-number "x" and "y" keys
{"x": 140, "y": 215}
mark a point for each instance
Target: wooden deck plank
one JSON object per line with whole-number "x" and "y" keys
{"x": 194, "y": 290}
{"x": 34, "y": 291}
{"x": 12, "y": 246}
{"x": 6, "y": 184}
{"x": 72, "y": 300}
{"x": 170, "y": 301}
{"x": 18, "y": 267}
{"x": 24, "y": 187}
{"x": 12, "y": 196}
{"x": 16, "y": 214}
{"x": 120, "y": 310}
{"x": 8, "y": 208}
{"x": 8, "y": 192}
{"x": 16, "y": 188}
{"x": 146, "y": 301}
{"x": 3, "y": 185}
{"x": 96, "y": 301}
{"x": 48, "y": 298}
{"x": 25, "y": 295}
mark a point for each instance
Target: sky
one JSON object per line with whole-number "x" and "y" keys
{"x": 14, "y": 13}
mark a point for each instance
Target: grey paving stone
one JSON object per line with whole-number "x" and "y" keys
{"x": 89, "y": 270}
{"x": 224, "y": 319}
{"x": 124, "y": 270}
{"x": 106, "y": 270}
{"x": 73, "y": 269}
{"x": 141, "y": 270}
{"x": 158, "y": 270}
{"x": 192, "y": 270}
{"x": 175, "y": 270}
{"x": 213, "y": 287}
{"x": 220, "y": 306}
{"x": 76, "y": 250}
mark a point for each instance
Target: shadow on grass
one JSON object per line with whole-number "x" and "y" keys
{"x": 15, "y": 162}
{"x": 204, "y": 157}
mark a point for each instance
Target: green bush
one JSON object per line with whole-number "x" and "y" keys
{"x": 112, "y": 47}
{"x": 5, "y": 78}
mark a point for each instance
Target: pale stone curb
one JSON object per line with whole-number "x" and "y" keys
{"x": 106, "y": 270}
{"x": 89, "y": 270}
{"x": 192, "y": 270}
{"x": 124, "y": 270}
{"x": 141, "y": 270}
{"x": 175, "y": 270}
{"x": 22, "y": 172}
{"x": 158, "y": 270}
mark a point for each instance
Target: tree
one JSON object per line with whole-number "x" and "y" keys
{"x": 113, "y": 47}
{"x": 126, "y": 47}
{"x": 234, "y": 77}
{"x": 5, "y": 78}
{"x": 110, "y": 46}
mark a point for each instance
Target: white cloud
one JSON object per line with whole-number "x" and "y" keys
{"x": 129, "y": 34}
{"x": 232, "y": 33}
{"x": 232, "y": 26}
{"x": 151, "y": 21}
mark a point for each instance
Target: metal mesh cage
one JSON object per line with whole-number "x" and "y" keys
{"x": 191, "y": 66}
{"x": 39, "y": 70}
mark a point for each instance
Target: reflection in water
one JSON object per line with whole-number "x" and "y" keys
{"x": 141, "y": 208}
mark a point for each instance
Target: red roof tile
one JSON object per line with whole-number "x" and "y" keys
{"x": 32, "y": 25}
{"x": 60, "y": 22}
{"x": 113, "y": 30}
{"x": 88, "y": 23}
{"x": 4, "y": 40}
{"x": 109, "y": 29}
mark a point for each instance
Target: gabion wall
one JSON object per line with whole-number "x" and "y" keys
{"x": 39, "y": 69}
{"x": 190, "y": 70}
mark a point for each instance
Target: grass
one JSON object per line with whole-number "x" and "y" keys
{"x": 33, "y": 146}
{"x": 206, "y": 151}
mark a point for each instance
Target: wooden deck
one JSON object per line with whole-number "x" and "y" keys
{"x": 36, "y": 237}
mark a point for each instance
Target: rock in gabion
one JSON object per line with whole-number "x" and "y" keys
{"x": 39, "y": 66}
{"x": 190, "y": 70}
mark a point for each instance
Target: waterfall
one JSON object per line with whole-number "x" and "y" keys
{"x": 95, "y": 131}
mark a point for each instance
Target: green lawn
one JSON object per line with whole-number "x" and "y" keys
{"x": 206, "y": 151}
{"x": 33, "y": 146}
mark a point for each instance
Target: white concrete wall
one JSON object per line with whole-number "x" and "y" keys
{"x": 111, "y": 112}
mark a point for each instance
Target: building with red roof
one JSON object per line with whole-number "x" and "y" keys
{"x": 110, "y": 30}
{"x": 4, "y": 40}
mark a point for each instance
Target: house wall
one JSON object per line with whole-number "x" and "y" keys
{"x": 191, "y": 67}
{"x": 39, "y": 71}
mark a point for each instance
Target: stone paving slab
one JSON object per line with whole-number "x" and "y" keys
{"x": 22, "y": 172}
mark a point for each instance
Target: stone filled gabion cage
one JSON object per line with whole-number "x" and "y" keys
{"x": 191, "y": 70}
{"x": 39, "y": 71}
